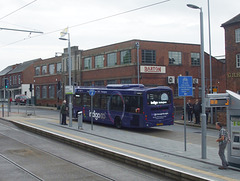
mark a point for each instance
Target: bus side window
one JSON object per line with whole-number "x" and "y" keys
{"x": 96, "y": 101}
{"x": 104, "y": 101}
{"x": 86, "y": 100}
{"x": 77, "y": 100}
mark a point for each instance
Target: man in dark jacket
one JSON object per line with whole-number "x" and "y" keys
{"x": 64, "y": 112}
{"x": 189, "y": 111}
{"x": 197, "y": 109}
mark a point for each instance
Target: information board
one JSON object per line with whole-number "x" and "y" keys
{"x": 185, "y": 86}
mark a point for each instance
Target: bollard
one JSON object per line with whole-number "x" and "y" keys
{"x": 80, "y": 120}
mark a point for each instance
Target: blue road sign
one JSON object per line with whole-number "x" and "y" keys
{"x": 92, "y": 92}
{"x": 185, "y": 87}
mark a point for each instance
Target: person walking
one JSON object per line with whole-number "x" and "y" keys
{"x": 189, "y": 111}
{"x": 222, "y": 140}
{"x": 64, "y": 112}
{"x": 197, "y": 110}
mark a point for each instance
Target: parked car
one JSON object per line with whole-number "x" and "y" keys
{"x": 21, "y": 99}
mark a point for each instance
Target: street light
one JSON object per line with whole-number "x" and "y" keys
{"x": 70, "y": 75}
{"x": 203, "y": 115}
{"x": 137, "y": 45}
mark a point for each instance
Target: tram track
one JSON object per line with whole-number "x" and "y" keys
{"x": 10, "y": 161}
{"x": 20, "y": 167}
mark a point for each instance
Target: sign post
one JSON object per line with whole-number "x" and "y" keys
{"x": 185, "y": 88}
{"x": 92, "y": 93}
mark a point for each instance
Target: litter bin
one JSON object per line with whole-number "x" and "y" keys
{"x": 80, "y": 120}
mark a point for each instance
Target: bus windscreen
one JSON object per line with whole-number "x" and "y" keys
{"x": 159, "y": 98}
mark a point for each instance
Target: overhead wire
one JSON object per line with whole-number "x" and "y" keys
{"x": 17, "y": 10}
{"x": 92, "y": 21}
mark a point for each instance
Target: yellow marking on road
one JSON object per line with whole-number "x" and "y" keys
{"x": 132, "y": 152}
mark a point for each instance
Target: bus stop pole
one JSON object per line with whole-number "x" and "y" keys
{"x": 185, "y": 130}
{"x": 91, "y": 112}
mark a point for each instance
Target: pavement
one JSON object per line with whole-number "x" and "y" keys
{"x": 160, "y": 155}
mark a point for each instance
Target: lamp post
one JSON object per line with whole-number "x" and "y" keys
{"x": 203, "y": 115}
{"x": 210, "y": 58}
{"x": 69, "y": 77}
{"x": 137, "y": 45}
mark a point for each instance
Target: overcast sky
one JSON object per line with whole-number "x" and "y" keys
{"x": 170, "y": 21}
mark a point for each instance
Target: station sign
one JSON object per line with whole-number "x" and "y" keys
{"x": 217, "y": 100}
{"x": 185, "y": 86}
{"x": 69, "y": 90}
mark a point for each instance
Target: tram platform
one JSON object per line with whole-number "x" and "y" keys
{"x": 160, "y": 155}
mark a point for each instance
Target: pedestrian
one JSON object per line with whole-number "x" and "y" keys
{"x": 64, "y": 112}
{"x": 222, "y": 140}
{"x": 197, "y": 109}
{"x": 189, "y": 110}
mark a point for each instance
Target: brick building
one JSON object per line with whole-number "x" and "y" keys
{"x": 19, "y": 76}
{"x": 47, "y": 78}
{"x": 232, "y": 49}
{"x": 160, "y": 64}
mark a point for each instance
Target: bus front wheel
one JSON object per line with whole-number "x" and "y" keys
{"x": 118, "y": 122}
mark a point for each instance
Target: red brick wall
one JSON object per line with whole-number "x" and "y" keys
{"x": 232, "y": 48}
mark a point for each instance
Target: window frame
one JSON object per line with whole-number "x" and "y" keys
{"x": 99, "y": 61}
{"x": 238, "y": 60}
{"x": 172, "y": 55}
{"x": 237, "y": 35}
{"x": 111, "y": 59}
{"x": 195, "y": 60}
{"x": 126, "y": 57}
{"x": 146, "y": 55}
{"x": 88, "y": 62}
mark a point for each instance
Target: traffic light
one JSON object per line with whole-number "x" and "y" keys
{"x": 30, "y": 88}
{"x": 6, "y": 83}
{"x": 59, "y": 85}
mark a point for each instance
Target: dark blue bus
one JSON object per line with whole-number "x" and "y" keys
{"x": 126, "y": 105}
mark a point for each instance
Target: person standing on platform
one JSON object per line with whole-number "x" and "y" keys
{"x": 197, "y": 110}
{"x": 189, "y": 111}
{"x": 64, "y": 112}
{"x": 222, "y": 140}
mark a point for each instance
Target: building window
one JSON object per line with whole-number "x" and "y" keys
{"x": 37, "y": 70}
{"x": 51, "y": 68}
{"x": 112, "y": 82}
{"x": 51, "y": 91}
{"x": 195, "y": 59}
{"x": 10, "y": 80}
{"x": 175, "y": 58}
{"x": 87, "y": 83}
{"x": 19, "y": 79}
{"x": 99, "y": 61}
{"x": 88, "y": 63}
{"x": 44, "y": 69}
{"x": 238, "y": 60}
{"x": 126, "y": 57}
{"x": 126, "y": 81}
{"x": 111, "y": 59}
{"x": 44, "y": 92}
{"x": 99, "y": 83}
{"x": 237, "y": 35}
{"x": 149, "y": 56}
{"x": 59, "y": 67}
{"x": 38, "y": 92}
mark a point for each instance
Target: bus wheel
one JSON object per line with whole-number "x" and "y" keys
{"x": 118, "y": 122}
